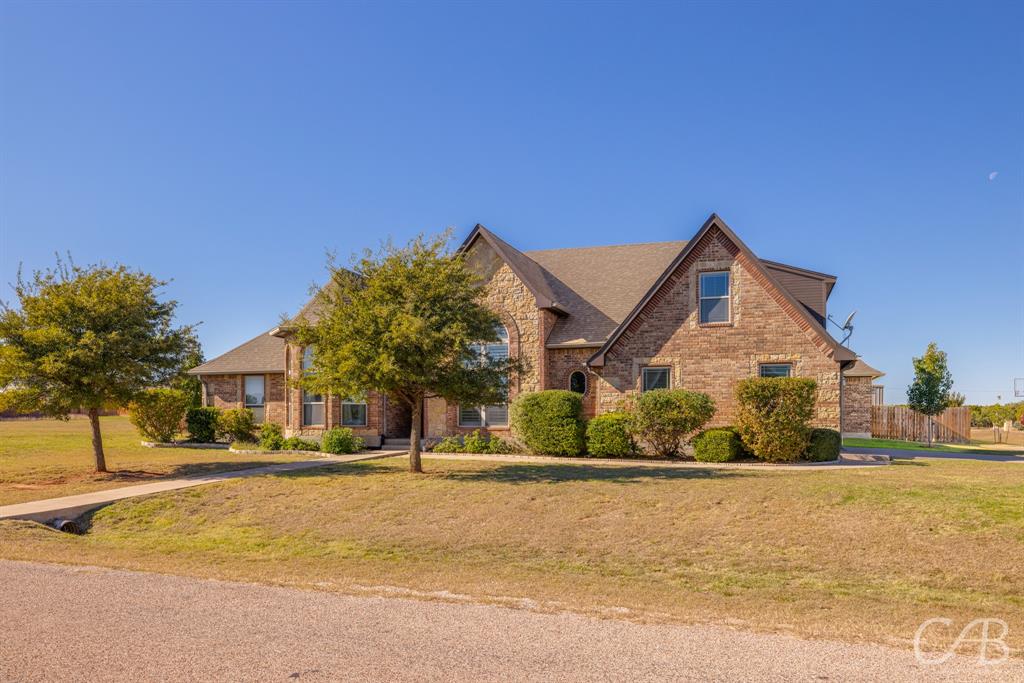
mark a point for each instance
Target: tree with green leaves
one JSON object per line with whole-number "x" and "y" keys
{"x": 191, "y": 385}
{"x": 407, "y": 322}
{"x": 955, "y": 400}
{"x": 929, "y": 392}
{"x": 87, "y": 338}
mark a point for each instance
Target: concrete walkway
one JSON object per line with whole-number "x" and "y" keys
{"x": 69, "y": 507}
{"x": 901, "y": 454}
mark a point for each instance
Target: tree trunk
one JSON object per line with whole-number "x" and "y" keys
{"x": 97, "y": 440}
{"x": 414, "y": 436}
{"x": 929, "y": 431}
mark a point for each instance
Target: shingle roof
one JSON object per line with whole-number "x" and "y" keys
{"x": 599, "y": 286}
{"x": 262, "y": 353}
{"x": 862, "y": 369}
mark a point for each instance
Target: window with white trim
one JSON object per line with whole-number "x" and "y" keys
{"x": 656, "y": 378}
{"x": 254, "y": 396}
{"x": 210, "y": 393}
{"x": 353, "y": 413}
{"x": 776, "y": 370}
{"x": 312, "y": 404}
{"x": 714, "y": 297}
{"x": 488, "y": 416}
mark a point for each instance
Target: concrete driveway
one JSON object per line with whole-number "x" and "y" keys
{"x": 64, "y": 623}
{"x": 899, "y": 454}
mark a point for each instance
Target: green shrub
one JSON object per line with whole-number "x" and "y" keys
{"x": 157, "y": 413}
{"x": 236, "y": 424}
{"x": 825, "y": 445}
{"x": 717, "y": 445}
{"x": 271, "y": 436}
{"x": 449, "y": 444}
{"x": 664, "y": 417}
{"x": 773, "y": 415}
{"x": 340, "y": 440}
{"x": 201, "y": 424}
{"x": 550, "y": 422}
{"x": 610, "y": 435}
{"x": 297, "y": 443}
{"x": 498, "y": 446}
{"x": 475, "y": 442}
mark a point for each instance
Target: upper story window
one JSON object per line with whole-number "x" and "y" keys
{"x": 714, "y": 297}
{"x": 776, "y": 370}
{"x": 307, "y": 358}
{"x": 254, "y": 396}
{"x": 497, "y": 350}
{"x": 578, "y": 382}
{"x": 655, "y": 378}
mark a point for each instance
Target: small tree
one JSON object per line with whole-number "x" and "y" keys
{"x": 955, "y": 400}
{"x": 407, "y": 322}
{"x": 87, "y": 337}
{"x": 929, "y": 392}
{"x": 190, "y": 384}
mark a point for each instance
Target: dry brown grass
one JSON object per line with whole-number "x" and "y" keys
{"x": 49, "y": 458}
{"x": 858, "y": 554}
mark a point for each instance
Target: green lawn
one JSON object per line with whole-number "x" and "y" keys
{"x": 49, "y": 458}
{"x": 856, "y": 554}
{"x": 935, "y": 448}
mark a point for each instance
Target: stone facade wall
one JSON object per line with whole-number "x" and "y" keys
{"x": 857, "y": 406}
{"x": 517, "y": 308}
{"x": 712, "y": 357}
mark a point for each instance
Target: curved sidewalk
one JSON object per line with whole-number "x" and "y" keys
{"x": 73, "y": 506}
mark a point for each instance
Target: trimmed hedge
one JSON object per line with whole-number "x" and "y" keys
{"x": 664, "y": 417}
{"x": 201, "y": 424}
{"x": 236, "y": 424}
{"x": 825, "y": 445}
{"x": 271, "y": 436}
{"x": 717, "y": 445}
{"x": 340, "y": 440}
{"x": 609, "y": 435}
{"x": 550, "y": 422}
{"x": 773, "y": 415}
{"x": 157, "y": 413}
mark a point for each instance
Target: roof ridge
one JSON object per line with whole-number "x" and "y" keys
{"x": 605, "y": 246}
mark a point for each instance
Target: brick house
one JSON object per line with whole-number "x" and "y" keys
{"x": 607, "y": 322}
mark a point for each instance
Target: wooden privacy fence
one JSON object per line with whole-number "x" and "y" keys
{"x": 952, "y": 425}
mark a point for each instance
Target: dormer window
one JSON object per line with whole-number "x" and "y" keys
{"x": 714, "y": 297}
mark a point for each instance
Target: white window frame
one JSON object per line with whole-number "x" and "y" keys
{"x": 366, "y": 413}
{"x": 323, "y": 422}
{"x": 482, "y": 412}
{"x": 727, "y": 296}
{"x": 762, "y": 366}
{"x": 245, "y": 397}
{"x": 483, "y": 351}
{"x": 643, "y": 377}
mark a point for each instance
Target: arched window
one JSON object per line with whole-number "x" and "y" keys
{"x": 578, "y": 382}
{"x": 312, "y": 404}
{"x": 488, "y": 416}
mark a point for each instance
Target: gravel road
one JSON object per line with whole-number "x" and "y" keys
{"x": 88, "y": 624}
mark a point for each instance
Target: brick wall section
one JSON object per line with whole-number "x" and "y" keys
{"x": 711, "y": 358}
{"x": 857, "y": 405}
{"x": 561, "y": 364}
{"x": 228, "y": 392}
{"x": 276, "y": 410}
{"x": 332, "y": 406}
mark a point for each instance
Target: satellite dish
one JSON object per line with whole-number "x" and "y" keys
{"x": 846, "y": 327}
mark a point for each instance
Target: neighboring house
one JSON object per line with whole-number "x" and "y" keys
{"x": 607, "y": 322}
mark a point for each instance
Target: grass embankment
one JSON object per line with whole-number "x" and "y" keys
{"x": 984, "y": 449}
{"x": 49, "y": 458}
{"x": 855, "y": 554}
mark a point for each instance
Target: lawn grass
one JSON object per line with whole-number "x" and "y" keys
{"x": 935, "y": 448}
{"x": 50, "y": 458}
{"x": 855, "y": 554}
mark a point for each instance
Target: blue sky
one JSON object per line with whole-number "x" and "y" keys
{"x": 227, "y": 146}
